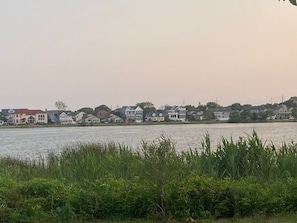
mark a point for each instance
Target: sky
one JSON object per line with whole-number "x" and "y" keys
{"x": 169, "y": 52}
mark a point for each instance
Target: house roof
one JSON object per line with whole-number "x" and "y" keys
{"x": 29, "y": 112}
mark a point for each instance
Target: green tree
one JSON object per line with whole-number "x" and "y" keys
{"x": 87, "y": 110}
{"x": 269, "y": 112}
{"x": 208, "y": 115}
{"x": 293, "y": 2}
{"x": 3, "y": 117}
{"x": 291, "y": 103}
{"x": 103, "y": 107}
{"x": 201, "y": 107}
{"x": 235, "y": 117}
{"x": 147, "y": 107}
{"x": 262, "y": 115}
{"x": 270, "y": 106}
{"x": 245, "y": 114}
{"x": 294, "y": 113}
{"x": 190, "y": 108}
{"x": 116, "y": 112}
{"x": 212, "y": 105}
{"x": 236, "y": 106}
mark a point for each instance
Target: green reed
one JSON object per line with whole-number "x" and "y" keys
{"x": 100, "y": 181}
{"x": 232, "y": 159}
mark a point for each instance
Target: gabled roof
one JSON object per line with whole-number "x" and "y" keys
{"x": 28, "y": 111}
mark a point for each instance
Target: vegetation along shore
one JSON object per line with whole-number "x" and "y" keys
{"x": 104, "y": 182}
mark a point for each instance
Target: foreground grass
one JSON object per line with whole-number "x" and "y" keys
{"x": 96, "y": 182}
{"x": 285, "y": 218}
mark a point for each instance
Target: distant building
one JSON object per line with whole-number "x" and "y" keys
{"x": 114, "y": 119}
{"x": 176, "y": 113}
{"x": 25, "y": 116}
{"x": 132, "y": 113}
{"x": 282, "y": 112}
{"x": 222, "y": 114}
{"x": 79, "y": 115}
{"x": 195, "y": 115}
{"x": 155, "y": 117}
{"x": 89, "y": 119}
{"x": 60, "y": 117}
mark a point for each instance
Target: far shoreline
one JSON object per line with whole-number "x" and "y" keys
{"x": 140, "y": 124}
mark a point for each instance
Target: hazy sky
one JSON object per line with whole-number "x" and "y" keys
{"x": 120, "y": 52}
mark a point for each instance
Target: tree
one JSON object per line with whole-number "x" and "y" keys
{"x": 3, "y": 117}
{"x": 190, "y": 108}
{"x": 293, "y": 2}
{"x": 245, "y": 114}
{"x": 234, "y": 117}
{"x": 269, "y": 106}
{"x": 208, "y": 115}
{"x": 87, "y": 110}
{"x": 147, "y": 107}
{"x": 294, "y": 113}
{"x": 262, "y": 115}
{"x": 201, "y": 107}
{"x": 103, "y": 107}
{"x": 291, "y": 103}
{"x": 236, "y": 106}
{"x": 60, "y": 105}
{"x": 212, "y": 105}
{"x": 269, "y": 113}
{"x": 117, "y": 112}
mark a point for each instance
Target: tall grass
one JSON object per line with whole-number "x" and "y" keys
{"x": 100, "y": 181}
{"x": 246, "y": 157}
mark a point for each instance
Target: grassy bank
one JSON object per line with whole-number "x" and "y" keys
{"x": 91, "y": 182}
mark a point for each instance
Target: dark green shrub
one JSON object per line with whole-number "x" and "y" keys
{"x": 44, "y": 197}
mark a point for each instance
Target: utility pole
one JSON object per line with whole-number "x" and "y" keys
{"x": 282, "y": 99}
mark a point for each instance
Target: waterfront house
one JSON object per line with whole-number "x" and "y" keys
{"x": 222, "y": 114}
{"x": 60, "y": 117}
{"x": 65, "y": 117}
{"x": 79, "y": 115}
{"x": 155, "y": 117}
{"x": 195, "y": 115}
{"x": 132, "y": 113}
{"x": 89, "y": 119}
{"x": 26, "y": 116}
{"x": 114, "y": 119}
{"x": 176, "y": 113}
{"x": 282, "y": 112}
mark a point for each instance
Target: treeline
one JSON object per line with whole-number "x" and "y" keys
{"x": 88, "y": 182}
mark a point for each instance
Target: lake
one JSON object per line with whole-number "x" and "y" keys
{"x": 33, "y": 142}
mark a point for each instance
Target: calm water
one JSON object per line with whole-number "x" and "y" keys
{"x": 32, "y": 142}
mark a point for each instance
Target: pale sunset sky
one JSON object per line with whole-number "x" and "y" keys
{"x": 120, "y": 52}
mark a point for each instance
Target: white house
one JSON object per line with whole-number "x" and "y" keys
{"x": 79, "y": 116}
{"x": 132, "y": 113}
{"x": 282, "y": 112}
{"x": 65, "y": 118}
{"x": 176, "y": 113}
{"x": 222, "y": 114}
{"x": 115, "y": 119}
{"x": 92, "y": 119}
{"x": 155, "y": 117}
